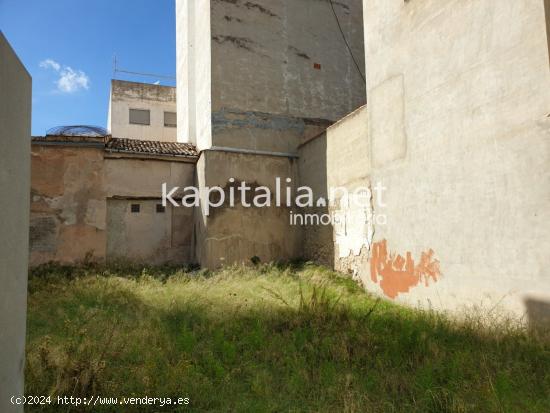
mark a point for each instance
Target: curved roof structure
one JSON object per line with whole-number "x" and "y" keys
{"x": 78, "y": 130}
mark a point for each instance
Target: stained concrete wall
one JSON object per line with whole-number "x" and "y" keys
{"x": 236, "y": 234}
{"x": 15, "y": 118}
{"x": 133, "y": 95}
{"x": 261, "y": 76}
{"x": 73, "y": 184}
{"x": 67, "y": 204}
{"x": 317, "y": 240}
{"x": 266, "y": 74}
{"x": 348, "y": 159}
{"x": 333, "y": 164}
{"x": 128, "y": 176}
{"x": 458, "y": 131}
{"x": 149, "y": 236}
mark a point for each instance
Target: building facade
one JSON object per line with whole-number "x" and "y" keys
{"x": 100, "y": 199}
{"x": 142, "y": 111}
{"x": 255, "y": 80}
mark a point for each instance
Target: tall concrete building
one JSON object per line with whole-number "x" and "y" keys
{"x": 258, "y": 75}
{"x": 255, "y": 80}
{"x": 15, "y": 118}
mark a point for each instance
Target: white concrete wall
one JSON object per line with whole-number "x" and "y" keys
{"x": 15, "y": 118}
{"x": 193, "y": 55}
{"x": 132, "y": 95}
{"x": 459, "y": 97}
{"x": 184, "y": 83}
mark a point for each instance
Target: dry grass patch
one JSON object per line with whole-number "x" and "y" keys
{"x": 269, "y": 339}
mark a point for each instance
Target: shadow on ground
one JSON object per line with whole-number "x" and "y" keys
{"x": 271, "y": 339}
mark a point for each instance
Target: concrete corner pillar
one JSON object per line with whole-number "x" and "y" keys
{"x": 193, "y": 54}
{"x": 15, "y": 117}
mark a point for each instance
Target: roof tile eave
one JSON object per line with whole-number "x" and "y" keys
{"x": 125, "y": 145}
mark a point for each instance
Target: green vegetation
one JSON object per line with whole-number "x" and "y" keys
{"x": 268, "y": 339}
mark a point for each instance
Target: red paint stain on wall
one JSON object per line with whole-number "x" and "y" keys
{"x": 396, "y": 274}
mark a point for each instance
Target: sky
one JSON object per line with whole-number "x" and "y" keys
{"x": 68, "y": 47}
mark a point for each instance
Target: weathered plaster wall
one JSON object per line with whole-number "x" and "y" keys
{"x": 68, "y": 207}
{"x": 81, "y": 199}
{"x": 133, "y": 95}
{"x": 333, "y": 164}
{"x": 348, "y": 159}
{"x": 459, "y": 96}
{"x": 15, "y": 118}
{"x": 236, "y": 234}
{"x": 148, "y": 236}
{"x": 126, "y": 176}
{"x": 271, "y": 73}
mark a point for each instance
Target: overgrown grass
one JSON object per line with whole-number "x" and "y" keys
{"x": 268, "y": 339}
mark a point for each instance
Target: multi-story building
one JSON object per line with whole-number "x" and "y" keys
{"x": 142, "y": 111}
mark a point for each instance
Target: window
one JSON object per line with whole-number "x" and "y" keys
{"x": 161, "y": 209}
{"x": 170, "y": 119}
{"x": 140, "y": 117}
{"x": 135, "y": 208}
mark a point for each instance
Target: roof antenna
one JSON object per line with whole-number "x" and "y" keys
{"x": 114, "y": 66}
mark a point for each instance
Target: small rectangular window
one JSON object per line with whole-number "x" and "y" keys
{"x": 170, "y": 119}
{"x": 135, "y": 208}
{"x": 161, "y": 209}
{"x": 140, "y": 117}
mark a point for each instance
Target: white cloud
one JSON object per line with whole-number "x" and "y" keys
{"x": 70, "y": 80}
{"x": 50, "y": 64}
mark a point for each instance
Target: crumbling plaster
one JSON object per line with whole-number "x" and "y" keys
{"x": 72, "y": 186}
